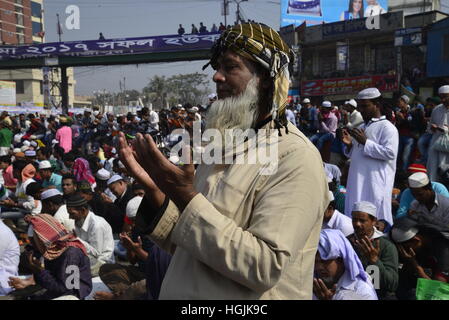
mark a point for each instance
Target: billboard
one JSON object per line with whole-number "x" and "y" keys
{"x": 325, "y": 11}
{"x": 7, "y": 93}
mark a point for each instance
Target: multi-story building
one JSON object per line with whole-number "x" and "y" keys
{"x": 22, "y": 23}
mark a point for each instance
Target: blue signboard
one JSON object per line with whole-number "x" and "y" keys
{"x": 325, "y": 11}
{"x": 111, "y": 46}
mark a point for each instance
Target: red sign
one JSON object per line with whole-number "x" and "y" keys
{"x": 340, "y": 86}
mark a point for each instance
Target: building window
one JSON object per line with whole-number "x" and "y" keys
{"x": 446, "y": 48}
{"x": 20, "y": 30}
{"x": 18, "y": 9}
{"x": 37, "y": 27}
{"x": 19, "y": 19}
{"x": 19, "y": 2}
{"x": 20, "y": 39}
{"x": 20, "y": 86}
{"x": 36, "y": 9}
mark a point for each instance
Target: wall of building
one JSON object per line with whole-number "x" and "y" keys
{"x": 438, "y": 50}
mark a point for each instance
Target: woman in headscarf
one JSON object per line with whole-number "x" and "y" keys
{"x": 66, "y": 270}
{"x": 339, "y": 273}
{"x": 81, "y": 171}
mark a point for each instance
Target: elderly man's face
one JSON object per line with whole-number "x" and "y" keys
{"x": 363, "y": 224}
{"x": 445, "y": 99}
{"x": 232, "y": 74}
{"x": 329, "y": 271}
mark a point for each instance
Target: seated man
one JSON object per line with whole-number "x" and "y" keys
{"x": 407, "y": 197}
{"x": 374, "y": 249}
{"x": 9, "y": 258}
{"x": 123, "y": 192}
{"x": 64, "y": 255}
{"x": 93, "y": 231}
{"x": 53, "y": 204}
{"x": 328, "y": 126}
{"x": 429, "y": 208}
{"x": 49, "y": 178}
{"x": 424, "y": 253}
{"x": 339, "y": 271}
{"x": 334, "y": 219}
{"x": 69, "y": 185}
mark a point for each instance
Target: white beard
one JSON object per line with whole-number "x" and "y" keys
{"x": 240, "y": 112}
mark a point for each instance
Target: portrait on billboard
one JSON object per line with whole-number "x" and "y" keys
{"x": 304, "y": 7}
{"x": 315, "y": 12}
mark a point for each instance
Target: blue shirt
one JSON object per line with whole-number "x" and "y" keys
{"x": 55, "y": 180}
{"x": 407, "y": 198}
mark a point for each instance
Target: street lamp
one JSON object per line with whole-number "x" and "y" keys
{"x": 238, "y": 9}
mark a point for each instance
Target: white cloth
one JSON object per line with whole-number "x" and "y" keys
{"x": 333, "y": 171}
{"x": 25, "y": 200}
{"x": 440, "y": 117}
{"x": 63, "y": 217}
{"x": 9, "y": 258}
{"x": 96, "y": 235}
{"x": 374, "y": 10}
{"x": 339, "y": 221}
{"x": 358, "y": 289}
{"x": 154, "y": 120}
{"x": 290, "y": 116}
{"x": 373, "y": 167}
{"x": 355, "y": 120}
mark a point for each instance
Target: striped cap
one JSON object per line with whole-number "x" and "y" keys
{"x": 76, "y": 201}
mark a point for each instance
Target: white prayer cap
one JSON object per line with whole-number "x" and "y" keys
{"x": 133, "y": 206}
{"x": 16, "y": 150}
{"x": 114, "y": 151}
{"x": 24, "y": 148}
{"x": 50, "y": 193}
{"x": 405, "y": 98}
{"x": 30, "y": 153}
{"x": 443, "y": 89}
{"x": 331, "y": 196}
{"x": 33, "y": 144}
{"x": 399, "y": 235}
{"x": 33, "y": 137}
{"x": 44, "y": 165}
{"x": 96, "y": 113}
{"x": 352, "y": 102}
{"x": 195, "y": 109}
{"x": 306, "y": 100}
{"x": 26, "y": 143}
{"x": 418, "y": 180}
{"x": 365, "y": 206}
{"x": 212, "y": 96}
{"x": 54, "y": 141}
{"x": 367, "y": 94}
{"x": 114, "y": 178}
{"x": 179, "y": 105}
{"x": 103, "y": 174}
{"x": 326, "y": 104}
{"x": 88, "y": 110}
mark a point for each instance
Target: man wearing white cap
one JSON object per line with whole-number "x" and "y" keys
{"x": 352, "y": 118}
{"x": 405, "y": 126}
{"x": 373, "y": 149}
{"x": 429, "y": 207}
{"x": 334, "y": 219}
{"x": 438, "y": 124}
{"x": 304, "y": 115}
{"x": 374, "y": 249}
{"x": 53, "y": 203}
{"x": 328, "y": 125}
{"x": 122, "y": 191}
{"x": 424, "y": 253}
{"x": 102, "y": 176}
{"x": 48, "y": 177}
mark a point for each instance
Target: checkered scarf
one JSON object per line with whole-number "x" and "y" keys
{"x": 54, "y": 236}
{"x": 261, "y": 44}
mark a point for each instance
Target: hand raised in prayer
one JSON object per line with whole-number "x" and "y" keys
{"x": 128, "y": 243}
{"x": 321, "y": 291}
{"x": 33, "y": 263}
{"x": 370, "y": 251}
{"x": 407, "y": 254}
{"x": 359, "y": 136}
{"x": 106, "y": 198}
{"x": 346, "y": 137}
{"x": 132, "y": 162}
{"x": 174, "y": 181}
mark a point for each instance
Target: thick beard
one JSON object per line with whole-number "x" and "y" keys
{"x": 240, "y": 112}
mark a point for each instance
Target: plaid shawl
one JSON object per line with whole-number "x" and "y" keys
{"x": 261, "y": 44}
{"x": 54, "y": 236}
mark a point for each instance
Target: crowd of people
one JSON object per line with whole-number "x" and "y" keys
{"x": 93, "y": 205}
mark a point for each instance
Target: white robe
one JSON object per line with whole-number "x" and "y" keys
{"x": 373, "y": 166}
{"x": 440, "y": 117}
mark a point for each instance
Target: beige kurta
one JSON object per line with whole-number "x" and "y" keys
{"x": 248, "y": 235}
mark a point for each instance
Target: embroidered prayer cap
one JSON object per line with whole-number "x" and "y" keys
{"x": 365, "y": 206}
{"x": 368, "y": 94}
{"x": 50, "y": 193}
{"x": 418, "y": 180}
{"x": 326, "y": 104}
{"x": 44, "y": 165}
{"x": 114, "y": 178}
{"x": 133, "y": 206}
{"x": 103, "y": 174}
{"x": 30, "y": 153}
{"x": 263, "y": 45}
{"x": 306, "y": 100}
{"x": 399, "y": 235}
{"x": 76, "y": 200}
{"x": 417, "y": 167}
{"x": 443, "y": 90}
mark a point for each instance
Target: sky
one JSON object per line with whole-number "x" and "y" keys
{"x": 140, "y": 18}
